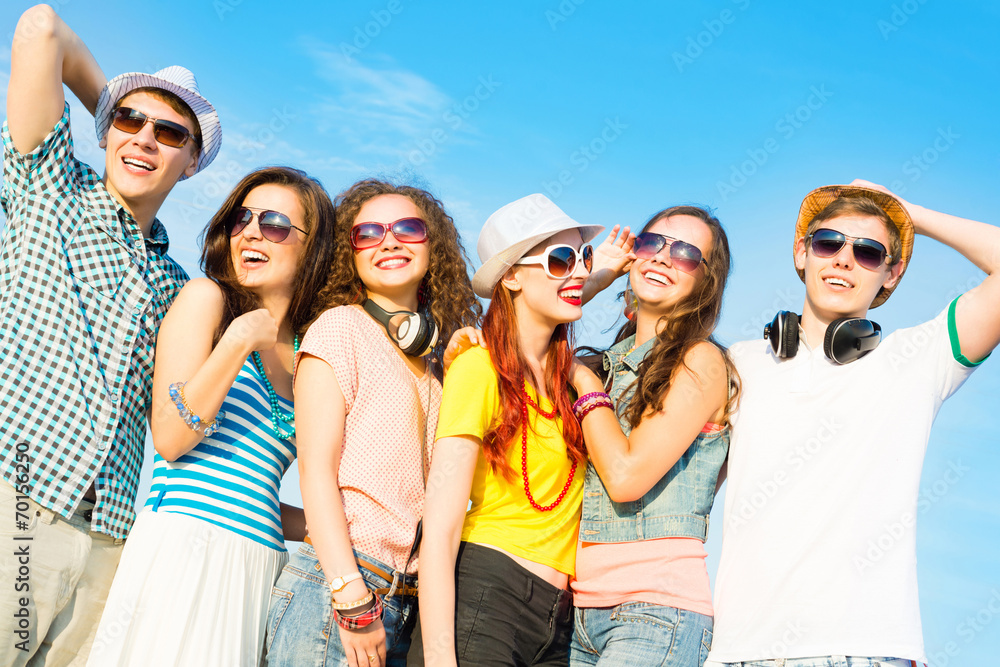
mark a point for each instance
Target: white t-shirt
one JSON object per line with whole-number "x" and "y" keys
{"x": 819, "y": 543}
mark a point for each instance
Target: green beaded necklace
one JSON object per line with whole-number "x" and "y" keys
{"x": 277, "y": 414}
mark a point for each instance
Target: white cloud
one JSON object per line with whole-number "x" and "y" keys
{"x": 379, "y": 100}
{"x": 382, "y": 111}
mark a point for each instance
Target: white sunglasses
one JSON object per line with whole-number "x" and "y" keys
{"x": 559, "y": 261}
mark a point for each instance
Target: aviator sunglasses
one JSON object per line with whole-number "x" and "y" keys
{"x": 165, "y": 132}
{"x": 559, "y": 261}
{"x": 371, "y": 234}
{"x": 683, "y": 255}
{"x": 868, "y": 253}
{"x": 274, "y": 226}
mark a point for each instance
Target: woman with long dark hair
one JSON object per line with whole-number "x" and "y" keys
{"x": 494, "y": 579}
{"x": 195, "y": 575}
{"x": 642, "y": 589}
{"x": 367, "y": 392}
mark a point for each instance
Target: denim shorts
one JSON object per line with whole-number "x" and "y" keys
{"x": 301, "y": 630}
{"x": 823, "y": 661}
{"x": 505, "y": 615}
{"x": 639, "y": 633}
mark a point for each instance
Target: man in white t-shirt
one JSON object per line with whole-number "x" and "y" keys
{"x": 830, "y": 436}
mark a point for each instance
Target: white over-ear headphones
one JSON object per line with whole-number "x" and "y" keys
{"x": 416, "y": 334}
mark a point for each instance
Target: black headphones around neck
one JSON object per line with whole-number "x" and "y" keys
{"x": 416, "y": 334}
{"x": 846, "y": 340}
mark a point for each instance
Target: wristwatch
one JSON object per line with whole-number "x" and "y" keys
{"x": 338, "y": 584}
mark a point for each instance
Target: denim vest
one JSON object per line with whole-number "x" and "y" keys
{"x": 678, "y": 505}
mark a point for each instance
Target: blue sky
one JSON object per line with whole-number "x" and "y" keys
{"x": 616, "y": 110}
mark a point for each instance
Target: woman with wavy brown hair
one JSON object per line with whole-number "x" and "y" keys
{"x": 367, "y": 395}
{"x": 642, "y": 588}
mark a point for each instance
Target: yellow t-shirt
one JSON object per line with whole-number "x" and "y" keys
{"x": 501, "y": 514}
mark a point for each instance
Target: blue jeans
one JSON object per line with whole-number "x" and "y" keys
{"x": 301, "y": 630}
{"x": 640, "y": 633}
{"x": 824, "y": 661}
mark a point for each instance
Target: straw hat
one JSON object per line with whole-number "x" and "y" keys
{"x": 820, "y": 198}
{"x": 514, "y": 230}
{"x": 177, "y": 80}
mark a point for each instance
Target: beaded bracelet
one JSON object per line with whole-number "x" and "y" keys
{"x": 361, "y": 620}
{"x": 586, "y": 397}
{"x": 187, "y": 414}
{"x": 593, "y": 406}
{"x": 345, "y": 606}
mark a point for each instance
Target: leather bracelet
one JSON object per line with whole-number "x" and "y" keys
{"x": 346, "y": 606}
{"x": 362, "y": 620}
{"x": 361, "y": 609}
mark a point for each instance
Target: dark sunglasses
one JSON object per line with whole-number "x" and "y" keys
{"x": 165, "y": 132}
{"x": 559, "y": 261}
{"x": 274, "y": 226}
{"x": 371, "y": 234}
{"x": 683, "y": 255}
{"x": 868, "y": 253}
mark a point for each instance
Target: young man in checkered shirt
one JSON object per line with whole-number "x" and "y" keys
{"x": 84, "y": 283}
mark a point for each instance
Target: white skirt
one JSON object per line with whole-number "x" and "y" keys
{"x": 187, "y": 592}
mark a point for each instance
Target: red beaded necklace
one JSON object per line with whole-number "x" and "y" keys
{"x": 525, "y": 402}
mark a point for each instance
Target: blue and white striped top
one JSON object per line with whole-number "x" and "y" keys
{"x": 231, "y": 478}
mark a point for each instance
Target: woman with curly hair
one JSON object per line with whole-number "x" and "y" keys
{"x": 495, "y": 578}
{"x": 195, "y": 575}
{"x": 367, "y": 394}
{"x": 642, "y": 589}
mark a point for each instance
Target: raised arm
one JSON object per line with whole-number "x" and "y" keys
{"x": 184, "y": 353}
{"x": 612, "y": 259}
{"x": 45, "y": 54}
{"x": 630, "y": 466}
{"x": 977, "y": 314}
{"x": 448, "y": 487}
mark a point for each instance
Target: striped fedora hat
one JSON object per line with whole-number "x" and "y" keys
{"x": 177, "y": 80}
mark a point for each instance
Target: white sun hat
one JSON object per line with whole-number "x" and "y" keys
{"x": 177, "y": 80}
{"x": 514, "y": 230}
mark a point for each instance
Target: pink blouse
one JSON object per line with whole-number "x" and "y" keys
{"x": 391, "y": 413}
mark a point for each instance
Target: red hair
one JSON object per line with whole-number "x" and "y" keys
{"x": 500, "y": 332}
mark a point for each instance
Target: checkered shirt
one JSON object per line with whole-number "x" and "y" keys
{"x": 81, "y": 297}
